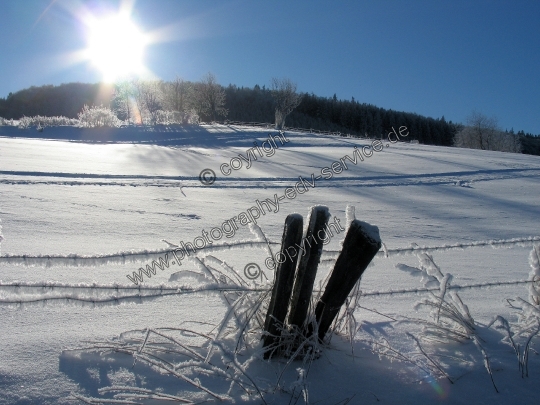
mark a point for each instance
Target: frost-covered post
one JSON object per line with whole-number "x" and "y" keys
{"x": 283, "y": 282}
{"x": 311, "y": 247}
{"x": 359, "y": 248}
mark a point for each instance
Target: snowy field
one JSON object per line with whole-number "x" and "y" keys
{"x": 74, "y": 214}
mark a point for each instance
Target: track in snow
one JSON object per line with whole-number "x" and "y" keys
{"x": 460, "y": 178}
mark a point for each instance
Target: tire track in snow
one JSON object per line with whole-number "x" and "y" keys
{"x": 463, "y": 178}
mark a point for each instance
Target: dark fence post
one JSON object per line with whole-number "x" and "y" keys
{"x": 359, "y": 248}
{"x": 307, "y": 265}
{"x": 283, "y": 282}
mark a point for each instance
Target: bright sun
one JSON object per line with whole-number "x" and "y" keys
{"x": 116, "y": 47}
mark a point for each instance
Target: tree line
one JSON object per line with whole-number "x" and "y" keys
{"x": 330, "y": 114}
{"x": 181, "y": 101}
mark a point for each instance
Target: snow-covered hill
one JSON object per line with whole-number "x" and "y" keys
{"x": 77, "y": 218}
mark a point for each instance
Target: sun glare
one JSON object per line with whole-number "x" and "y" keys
{"x": 116, "y": 47}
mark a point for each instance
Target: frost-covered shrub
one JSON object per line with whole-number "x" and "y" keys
{"x": 94, "y": 117}
{"x": 165, "y": 117}
{"x": 54, "y": 121}
{"x": 494, "y": 140}
{"x": 176, "y": 117}
{"x": 42, "y": 122}
{"x": 7, "y": 122}
{"x": 483, "y": 132}
{"x": 57, "y": 121}
{"x": 25, "y": 122}
{"x": 191, "y": 117}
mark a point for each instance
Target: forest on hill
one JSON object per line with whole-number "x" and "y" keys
{"x": 233, "y": 103}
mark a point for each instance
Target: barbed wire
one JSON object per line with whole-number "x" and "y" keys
{"x": 514, "y": 242}
{"x": 158, "y": 292}
{"x": 51, "y": 285}
{"x": 450, "y": 287}
{"x": 114, "y": 258}
{"x": 164, "y": 291}
{"x": 145, "y": 255}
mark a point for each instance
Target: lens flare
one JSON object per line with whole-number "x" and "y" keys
{"x": 439, "y": 390}
{"x": 115, "y": 46}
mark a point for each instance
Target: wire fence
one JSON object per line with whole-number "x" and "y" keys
{"x": 133, "y": 256}
{"x": 293, "y": 129}
{"x": 22, "y": 293}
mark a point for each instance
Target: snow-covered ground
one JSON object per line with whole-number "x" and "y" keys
{"x": 76, "y": 213}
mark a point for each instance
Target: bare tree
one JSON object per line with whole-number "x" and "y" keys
{"x": 177, "y": 97}
{"x": 483, "y": 132}
{"x": 506, "y": 142}
{"x": 148, "y": 97}
{"x": 285, "y": 98}
{"x": 483, "y": 128}
{"x": 122, "y": 101}
{"x": 153, "y": 98}
{"x": 138, "y": 98}
{"x": 209, "y": 98}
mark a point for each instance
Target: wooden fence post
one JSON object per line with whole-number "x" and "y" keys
{"x": 283, "y": 282}
{"x": 312, "y": 245}
{"x": 359, "y": 248}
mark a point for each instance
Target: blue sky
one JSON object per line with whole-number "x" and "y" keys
{"x": 430, "y": 57}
